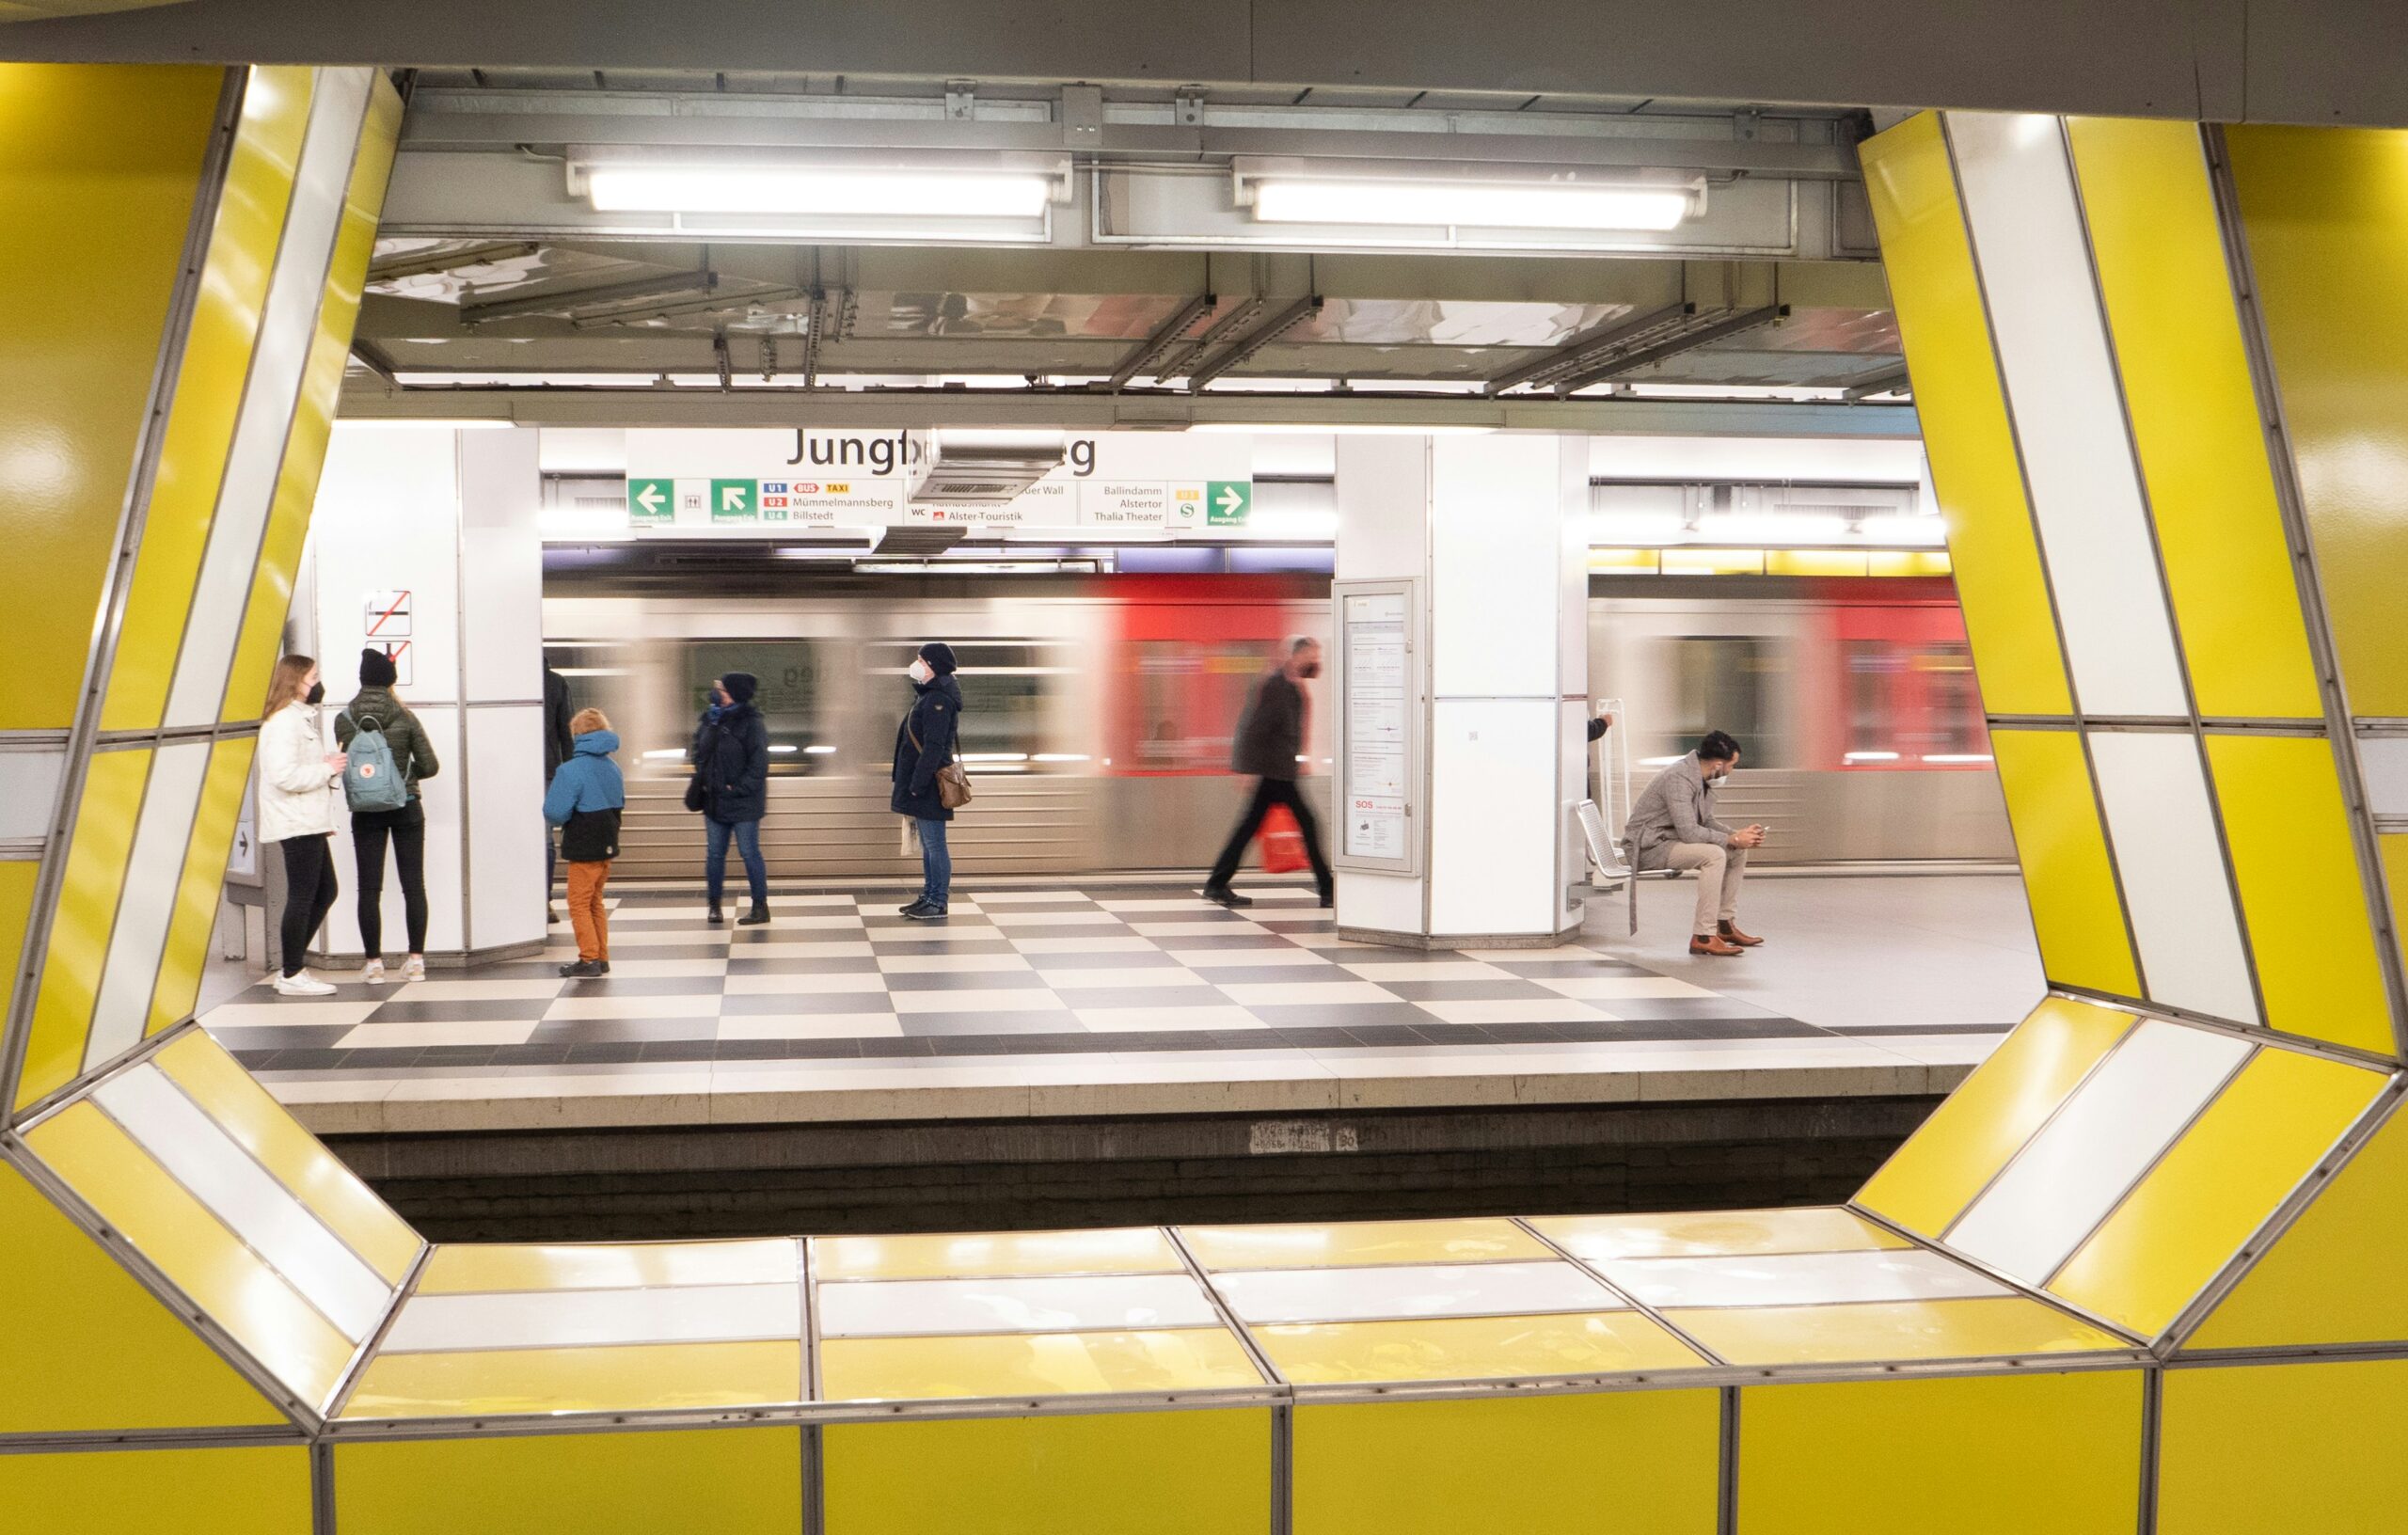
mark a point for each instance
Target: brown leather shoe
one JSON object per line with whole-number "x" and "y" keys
{"x": 1731, "y": 934}
{"x": 1712, "y": 944}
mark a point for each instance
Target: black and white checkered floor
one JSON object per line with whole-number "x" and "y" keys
{"x": 837, "y": 981}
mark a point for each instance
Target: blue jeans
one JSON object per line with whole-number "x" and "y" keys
{"x": 748, "y": 842}
{"x": 936, "y": 863}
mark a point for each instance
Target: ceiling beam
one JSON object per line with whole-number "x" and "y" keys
{"x": 1240, "y": 352}
{"x": 608, "y": 296}
{"x": 1164, "y": 337}
{"x": 1583, "y": 349}
{"x": 1687, "y": 340}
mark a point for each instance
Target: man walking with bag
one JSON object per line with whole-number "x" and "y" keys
{"x": 1271, "y": 745}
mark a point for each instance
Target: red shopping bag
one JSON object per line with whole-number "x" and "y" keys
{"x": 1283, "y": 842}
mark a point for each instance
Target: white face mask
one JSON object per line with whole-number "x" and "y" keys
{"x": 921, "y": 671}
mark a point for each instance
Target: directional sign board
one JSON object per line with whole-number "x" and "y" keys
{"x": 387, "y": 615}
{"x": 1228, "y": 502}
{"x": 652, "y": 501}
{"x": 735, "y": 500}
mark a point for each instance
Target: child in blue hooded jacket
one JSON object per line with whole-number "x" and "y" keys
{"x": 585, "y": 800}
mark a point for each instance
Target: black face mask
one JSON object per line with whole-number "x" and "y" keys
{"x": 317, "y": 693}
{"x": 1310, "y": 670}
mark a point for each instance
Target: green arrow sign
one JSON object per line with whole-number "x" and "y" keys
{"x": 735, "y": 500}
{"x": 651, "y": 501}
{"x": 1227, "y": 502}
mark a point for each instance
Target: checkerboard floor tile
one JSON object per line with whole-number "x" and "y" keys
{"x": 1127, "y": 972}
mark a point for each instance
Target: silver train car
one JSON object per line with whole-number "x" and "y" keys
{"x": 1098, "y": 708}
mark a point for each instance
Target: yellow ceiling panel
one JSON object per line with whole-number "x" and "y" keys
{"x": 1360, "y": 1243}
{"x": 1728, "y": 1233}
{"x": 1035, "y": 1365}
{"x": 1872, "y": 1331}
{"x": 627, "y": 1378}
{"x": 502, "y": 1266}
{"x": 1473, "y": 1348}
{"x": 994, "y": 1255}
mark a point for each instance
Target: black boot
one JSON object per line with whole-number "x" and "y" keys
{"x": 716, "y": 917}
{"x": 1223, "y": 896}
{"x": 586, "y": 969}
{"x": 758, "y": 917}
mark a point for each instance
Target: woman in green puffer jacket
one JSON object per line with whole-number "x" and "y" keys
{"x": 374, "y": 707}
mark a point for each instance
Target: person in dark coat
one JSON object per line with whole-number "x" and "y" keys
{"x": 731, "y": 757}
{"x": 1271, "y": 745}
{"x": 558, "y": 744}
{"x": 374, "y": 707}
{"x": 924, "y": 743}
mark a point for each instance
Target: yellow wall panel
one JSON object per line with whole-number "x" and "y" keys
{"x": 1339, "y": 1245}
{"x": 16, "y": 909}
{"x": 109, "y": 159}
{"x": 333, "y": 1193}
{"x": 2075, "y": 910}
{"x": 1141, "y": 1249}
{"x": 86, "y": 1347}
{"x": 1644, "y": 1463}
{"x": 1986, "y": 1455}
{"x": 79, "y": 934}
{"x": 1034, "y": 1365}
{"x": 204, "y": 877}
{"x": 2282, "y": 1448}
{"x": 2194, "y": 409}
{"x": 208, "y": 392}
{"x": 2392, "y": 849}
{"x": 1973, "y": 467}
{"x": 1956, "y": 1151}
{"x": 196, "y": 1253}
{"x": 1871, "y": 1332}
{"x": 623, "y": 1378}
{"x": 1169, "y": 1473}
{"x": 2183, "y": 1221}
{"x": 1473, "y": 1348}
{"x": 1722, "y": 1233}
{"x": 2325, "y": 215}
{"x": 2299, "y": 889}
{"x": 2333, "y": 1277}
{"x": 488, "y": 1267}
{"x": 253, "y": 1490}
{"x": 722, "y": 1481}
{"x": 305, "y": 450}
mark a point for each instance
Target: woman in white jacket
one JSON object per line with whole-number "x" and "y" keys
{"x": 297, "y": 811}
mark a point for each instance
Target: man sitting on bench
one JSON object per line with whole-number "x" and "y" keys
{"x": 1671, "y": 826}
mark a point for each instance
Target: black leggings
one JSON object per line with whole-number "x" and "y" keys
{"x": 309, "y": 892}
{"x": 1267, "y": 793}
{"x": 407, "y": 828}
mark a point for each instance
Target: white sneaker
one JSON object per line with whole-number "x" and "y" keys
{"x": 414, "y": 968}
{"x": 373, "y": 972}
{"x": 303, "y": 985}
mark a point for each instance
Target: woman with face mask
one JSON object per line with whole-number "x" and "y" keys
{"x": 731, "y": 757}
{"x": 924, "y": 744}
{"x": 296, "y": 811}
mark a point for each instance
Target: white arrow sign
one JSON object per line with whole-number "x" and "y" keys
{"x": 1230, "y": 500}
{"x": 649, "y": 498}
{"x": 731, "y": 499}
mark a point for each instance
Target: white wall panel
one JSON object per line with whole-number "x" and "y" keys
{"x": 504, "y": 764}
{"x": 2064, "y": 1182}
{"x": 1799, "y": 1279}
{"x": 2165, "y": 839}
{"x": 594, "y": 1318}
{"x": 2382, "y": 758}
{"x": 162, "y": 836}
{"x": 1382, "y": 507}
{"x": 29, "y": 792}
{"x": 239, "y": 1192}
{"x": 1496, "y": 561}
{"x": 2068, "y": 413}
{"x": 1494, "y": 817}
{"x": 287, "y": 325}
{"x": 889, "y": 1308}
{"x": 1273, "y": 1296}
{"x": 502, "y": 565}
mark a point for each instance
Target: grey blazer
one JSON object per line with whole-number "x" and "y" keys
{"x": 1677, "y": 807}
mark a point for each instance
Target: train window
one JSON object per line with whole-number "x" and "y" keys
{"x": 1727, "y": 682}
{"x": 1189, "y": 695}
{"x": 1911, "y": 703}
{"x": 1005, "y": 686}
{"x": 790, "y": 698}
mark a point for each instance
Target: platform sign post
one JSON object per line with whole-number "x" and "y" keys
{"x": 1377, "y": 797}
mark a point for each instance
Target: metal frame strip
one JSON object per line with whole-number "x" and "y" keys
{"x": 1633, "y": 1301}
{"x": 349, "y": 1381}
{"x": 1283, "y": 1418}
{"x": 2291, "y": 499}
{"x": 110, "y": 617}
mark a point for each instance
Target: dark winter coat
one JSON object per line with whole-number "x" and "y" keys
{"x": 403, "y": 736}
{"x": 586, "y": 798}
{"x": 731, "y": 756}
{"x": 924, "y": 743}
{"x": 557, "y": 714}
{"x": 1271, "y": 733}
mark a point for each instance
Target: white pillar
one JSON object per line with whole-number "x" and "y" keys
{"x": 1487, "y": 534}
{"x": 450, "y": 517}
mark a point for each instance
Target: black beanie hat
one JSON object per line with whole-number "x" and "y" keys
{"x": 939, "y": 658}
{"x": 376, "y": 669}
{"x": 740, "y": 686}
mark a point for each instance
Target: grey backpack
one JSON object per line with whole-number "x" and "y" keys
{"x": 371, "y": 781}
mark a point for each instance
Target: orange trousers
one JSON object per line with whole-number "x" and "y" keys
{"x": 585, "y": 913}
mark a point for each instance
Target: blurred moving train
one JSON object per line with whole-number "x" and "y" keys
{"x": 1100, "y": 706}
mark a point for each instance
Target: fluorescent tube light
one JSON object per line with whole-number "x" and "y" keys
{"x": 1485, "y": 205}
{"x": 774, "y": 189}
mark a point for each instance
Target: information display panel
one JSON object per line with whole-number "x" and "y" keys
{"x": 1377, "y": 797}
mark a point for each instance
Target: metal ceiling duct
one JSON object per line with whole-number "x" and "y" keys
{"x": 978, "y": 468}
